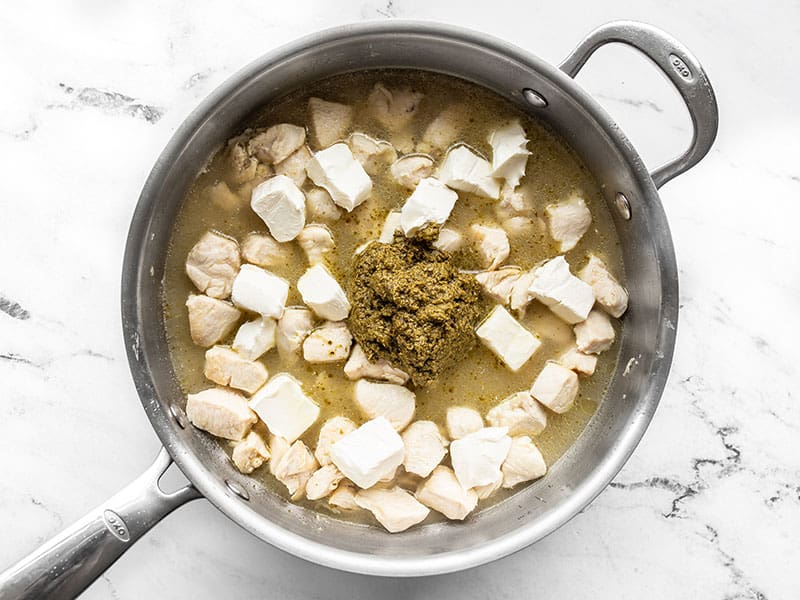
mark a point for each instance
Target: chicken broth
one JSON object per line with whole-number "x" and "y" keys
{"x": 480, "y": 380}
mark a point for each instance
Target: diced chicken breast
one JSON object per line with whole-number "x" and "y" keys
{"x": 344, "y": 497}
{"x": 444, "y": 130}
{"x": 220, "y": 412}
{"x": 250, "y": 453}
{"x": 374, "y": 155}
{"x": 509, "y": 153}
{"x": 225, "y": 366}
{"x": 394, "y": 508}
{"x": 330, "y": 342}
{"x": 430, "y": 203}
{"x": 449, "y": 240}
{"x": 321, "y": 207}
{"x": 294, "y": 167}
{"x": 520, "y": 228}
{"x": 316, "y": 241}
{"x": 520, "y": 414}
{"x": 523, "y": 463}
{"x": 329, "y": 121}
{"x": 255, "y": 338}
{"x": 484, "y": 491}
{"x": 507, "y": 338}
{"x": 390, "y": 226}
{"x": 282, "y": 207}
{"x": 443, "y": 493}
{"x": 499, "y": 284}
{"x": 260, "y": 291}
{"x": 477, "y": 457}
{"x": 493, "y": 247}
{"x": 284, "y": 408}
{"x": 210, "y": 320}
{"x": 293, "y": 327}
{"x": 410, "y": 169}
{"x": 568, "y": 220}
{"x": 213, "y": 263}
{"x": 241, "y": 166}
{"x": 393, "y": 109}
{"x": 520, "y": 296}
{"x": 323, "y": 294}
{"x": 425, "y": 447}
{"x": 595, "y": 334}
{"x": 513, "y": 203}
{"x": 262, "y": 250}
{"x": 574, "y": 359}
{"x": 278, "y": 446}
{"x": 323, "y": 482}
{"x": 221, "y": 196}
{"x": 607, "y": 290}
{"x": 461, "y": 421}
{"x": 331, "y": 432}
{"x": 337, "y": 170}
{"x": 295, "y": 468}
{"x": 465, "y": 171}
{"x": 276, "y": 143}
{"x": 358, "y": 366}
{"x": 393, "y": 402}
{"x": 369, "y": 453}
{"x": 563, "y": 293}
{"x": 556, "y": 387}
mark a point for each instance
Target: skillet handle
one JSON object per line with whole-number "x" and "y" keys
{"x": 681, "y": 68}
{"x": 67, "y": 564}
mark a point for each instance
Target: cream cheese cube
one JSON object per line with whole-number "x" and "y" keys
{"x": 507, "y": 338}
{"x": 595, "y": 334}
{"x": 284, "y": 408}
{"x": 509, "y": 153}
{"x": 465, "y": 171}
{"x": 556, "y": 387}
{"x": 390, "y": 226}
{"x": 477, "y": 457}
{"x": 336, "y": 170}
{"x": 255, "y": 338}
{"x": 431, "y": 202}
{"x": 281, "y": 205}
{"x": 563, "y": 293}
{"x": 260, "y": 291}
{"x": 323, "y": 294}
{"x": 369, "y": 452}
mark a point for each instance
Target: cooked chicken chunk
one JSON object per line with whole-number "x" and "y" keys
{"x": 493, "y": 247}
{"x": 330, "y": 342}
{"x": 520, "y": 296}
{"x": 595, "y": 334}
{"x": 462, "y": 421}
{"x": 316, "y": 241}
{"x": 523, "y": 463}
{"x": 210, "y": 320}
{"x": 569, "y": 220}
{"x": 425, "y": 447}
{"x": 276, "y": 143}
{"x": 394, "y": 508}
{"x": 394, "y": 402}
{"x": 344, "y": 497}
{"x": 484, "y": 491}
{"x": 373, "y": 154}
{"x": 220, "y": 412}
{"x": 331, "y": 432}
{"x": 443, "y": 493}
{"x": 321, "y": 207}
{"x": 221, "y": 196}
{"x": 294, "y": 166}
{"x": 261, "y": 249}
{"x": 449, "y": 240}
{"x": 212, "y": 264}
{"x": 293, "y": 327}
{"x": 250, "y": 453}
{"x": 241, "y": 166}
{"x": 574, "y": 359}
{"x": 227, "y": 367}
{"x": 295, "y": 468}
{"x": 520, "y": 413}
{"x": 521, "y": 228}
{"x": 328, "y": 121}
{"x": 278, "y": 447}
{"x": 323, "y": 482}
{"x": 607, "y": 290}
{"x": 444, "y": 130}
{"x": 393, "y": 109}
{"x": 358, "y": 367}
{"x": 556, "y": 387}
{"x": 499, "y": 284}
{"x": 513, "y": 203}
{"x": 410, "y": 169}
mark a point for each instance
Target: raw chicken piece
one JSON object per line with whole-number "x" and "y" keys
{"x": 523, "y": 463}
{"x": 241, "y": 166}
{"x": 331, "y": 432}
{"x": 221, "y": 196}
{"x": 278, "y": 447}
{"x": 295, "y": 468}
{"x": 344, "y": 497}
{"x": 394, "y": 402}
{"x": 499, "y": 284}
{"x": 328, "y": 121}
{"x": 294, "y": 166}
{"x": 595, "y": 334}
{"x": 462, "y": 421}
{"x": 315, "y": 240}
{"x": 410, "y": 169}
{"x": 393, "y": 109}
{"x": 261, "y": 249}
{"x": 444, "y": 130}
{"x": 493, "y": 246}
{"x": 220, "y": 412}
{"x": 212, "y": 264}
{"x": 394, "y": 508}
{"x": 443, "y": 493}
{"x": 321, "y": 207}
{"x": 520, "y": 413}
{"x": 358, "y": 366}
{"x": 425, "y": 447}
{"x": 607, "y": 291}
{"x": 250, "y": 453}
{"x": 323, "y": 482}
{"x": 449, "y": 240}
{"x": 569, "y": 220}
{"x": 276, "y": 143}
{"x": 293, "y": 327}
{"x": 371, "y": 153}
{"x": 574, "y": 359}
{"x": 330, "y": 342}
{"x": 210, "y": 320}
{"x": 227, "y": 367}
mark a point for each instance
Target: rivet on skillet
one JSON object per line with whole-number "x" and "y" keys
{"x": 534, "y": 98}
{"x": 623, "y": 206}
{"x": 178, "y": 415}
{"x": 237, "y": 489}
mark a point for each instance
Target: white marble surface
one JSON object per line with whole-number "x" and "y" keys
{"x": 709, "y": 505}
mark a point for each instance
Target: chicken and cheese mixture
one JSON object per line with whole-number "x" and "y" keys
{"x": 394, "y": 297}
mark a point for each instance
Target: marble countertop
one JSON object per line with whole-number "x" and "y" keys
{"x": 708, "y": 506}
